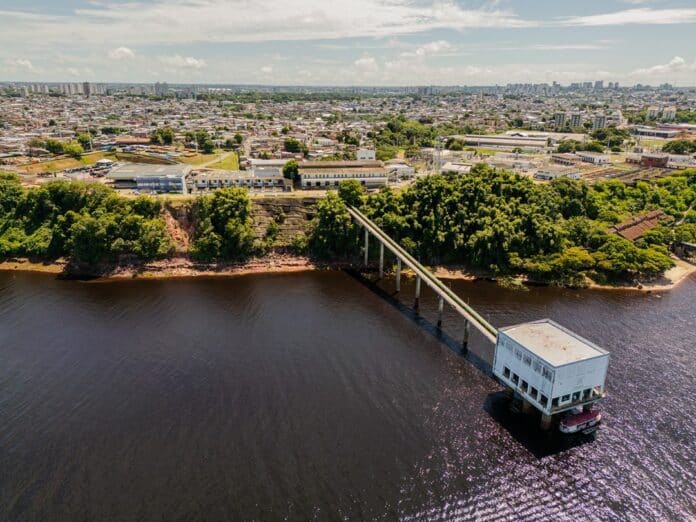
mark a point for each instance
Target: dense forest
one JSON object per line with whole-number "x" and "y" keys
{"x": 490, "y": 220}
{"x": 88, "y": 223}
{"x": 506, "y": 224}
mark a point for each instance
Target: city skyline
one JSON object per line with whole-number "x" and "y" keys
{"x": 369, "y": 42}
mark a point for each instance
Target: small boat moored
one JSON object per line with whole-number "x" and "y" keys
{"x": 584, "y": 422}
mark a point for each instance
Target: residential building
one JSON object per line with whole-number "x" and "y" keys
{"x": 599, "y": 122}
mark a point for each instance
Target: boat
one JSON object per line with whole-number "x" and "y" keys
{"x": 584, "y": 422}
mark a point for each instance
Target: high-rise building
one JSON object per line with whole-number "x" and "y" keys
{"x": 86, "y": 88}
{"x": 669, "y": 113}
{"x": 575, "y": 120}
{"x": 599, "y": 122}
{"x": 560, "y": 119}
{"x": 161, "y": 88}
{"x": 653, "y": 113}
{"x": 599, "y": 85}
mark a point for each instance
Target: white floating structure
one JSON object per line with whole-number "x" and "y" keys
{"x": 549, "y": 367}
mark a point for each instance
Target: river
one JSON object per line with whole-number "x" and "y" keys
{"x": 313, "y": 396}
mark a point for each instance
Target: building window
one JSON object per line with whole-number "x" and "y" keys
{"x": 576, "y": 396}
{"x": 524, "y": 386}
{"x": 506, "y": 372}
{"x": 554, "y": 402}
{"x": 543, "y": 400}
{"x": 527, "y": 360}
{"x": 515, "y": 378}
{"x": 586, "y": 393}
{"x": 534, "y": 392}
{"x": 565, "y": 398}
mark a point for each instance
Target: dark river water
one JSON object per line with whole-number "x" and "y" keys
{"x": 312, "y": 396}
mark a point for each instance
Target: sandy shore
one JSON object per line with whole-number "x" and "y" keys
{"x": 669, "y": 280}
{"x": 283, "y": 263}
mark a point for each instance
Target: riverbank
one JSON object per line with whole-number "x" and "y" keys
{"x": 182, "y": 267}
{"x": 668, "y": 281}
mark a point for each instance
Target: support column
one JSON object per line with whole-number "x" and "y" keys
{"x": 440, "y": 307}
{"x": 465, "y": 341}
{"x": 381, "y": 260}
{"x": 418, "y": 285}
{"x": 367, "y": 244}
{"x": 546, "y": 421}
{"x": 398, "y": 274}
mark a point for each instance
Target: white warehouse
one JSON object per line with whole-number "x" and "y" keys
{"x": 549, "y": 366}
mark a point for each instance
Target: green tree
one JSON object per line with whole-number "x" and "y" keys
{"x": 291, "y": 170}
{"x": 73, "y": 149}
{"x": 85, "y": 141}
{"x": 351, "y": 192}
{"x": 295, "y": 146}
{"x": 333, "y": 234}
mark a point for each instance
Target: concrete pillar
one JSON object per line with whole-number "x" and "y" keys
{"x": 440, "y": 307}
{"x": 546, "y": 421}
{"x": 398, "y": 274}
{"x": 381, "y": 260}
{"x": 367, "y": 244}
{"x": 418, "y": 285}
{"x": 465, "y": 341}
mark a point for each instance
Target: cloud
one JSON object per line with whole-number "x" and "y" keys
{"x": 183, "y": 62}
{"x": 267, "y": 69}
{"x": 21, "y": 63}
{"x": 187, "y": 21}
{"x": 676, "y": 65}
{"x": 121, "y": 53}
{"x": 644, "y": 16}
{"x": 366, "y": 64}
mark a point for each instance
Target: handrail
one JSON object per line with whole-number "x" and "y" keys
{"x": 487, "y": 329}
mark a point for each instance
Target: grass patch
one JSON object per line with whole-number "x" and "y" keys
{"x": 231, "y": 162}
{"x": 48, "y": 167}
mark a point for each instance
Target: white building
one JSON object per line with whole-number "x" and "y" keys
{"x": 366, "y": 155}
{"x": 599, "y": 122}
{"x": 593, "y": 157}
{"x": 669, "y": 113}
{"x": 550, "y": 173}
{"x": 552, "y": 368}
{"x": 329, "y": 174}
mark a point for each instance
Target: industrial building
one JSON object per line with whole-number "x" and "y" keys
{"x": 593, "y": 157}
{"x": 150, "y": 178}
{"x": 550, "y": 173}
{"x": 329, "y": 174}
{"x": 549, "y": 367}
{"x": 257, "y": 179}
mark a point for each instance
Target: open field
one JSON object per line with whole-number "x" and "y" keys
{"x": 229, "y": 162}
{"x": 47, "y": 167}
{"x": 201, "y": 158}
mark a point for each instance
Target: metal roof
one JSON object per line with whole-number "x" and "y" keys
{"x": 131, "y": 171}
{"x": 553, "y": 343}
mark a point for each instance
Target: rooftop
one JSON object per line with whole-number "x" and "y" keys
{"x": 551, "y": 342}
{"x": 143, "y": 170}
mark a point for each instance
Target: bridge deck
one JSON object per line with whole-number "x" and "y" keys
{"x": 466, "y": 311}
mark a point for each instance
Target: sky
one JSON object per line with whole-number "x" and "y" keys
{"x": 349, "y": 42}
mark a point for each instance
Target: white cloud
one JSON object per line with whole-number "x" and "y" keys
{"x": 185, "y": 21}
{"x": 21, "y": 63}
{"x": 183, "y": 62}
{"x": 366, "y": 64}
{"x": 644, "y": 15}
{"x": 121, "y": 53}
{"x": 676, "y": 66}
{"x": 267, "y": 69}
